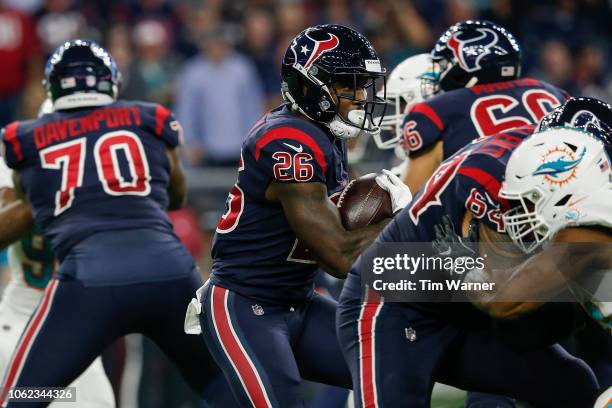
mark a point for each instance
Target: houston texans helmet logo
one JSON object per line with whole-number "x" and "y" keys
{"x": 469, "y": 52}
{"x": 308, "y": 50}
{"x": 584, "y": 119}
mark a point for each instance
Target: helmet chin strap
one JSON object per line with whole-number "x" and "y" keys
{"x": 352, "y": 129}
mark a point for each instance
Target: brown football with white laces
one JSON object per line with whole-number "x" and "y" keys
{"x": 363, "y": 202}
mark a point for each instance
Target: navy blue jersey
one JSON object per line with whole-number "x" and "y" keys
{"x": 459, "y": 116}
{"x": 94, "y": 169}
{"x": 468, "y": 181}
{"x": 255, "y": 252}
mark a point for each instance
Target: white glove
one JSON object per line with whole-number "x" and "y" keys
{"x": 399, "y": 192}
{"x": 192, "y": 316}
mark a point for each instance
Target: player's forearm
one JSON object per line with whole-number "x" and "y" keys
{"x": 421, "y": 166}
{"x": 177, "y": 187}
{"x": 315, "y": 220}
{"x": 177, "y": 195}
{"x": 362, "y": 238}
{"x": 490, "y": 303}
{"x": 518, "y": 290}
{"x": 15, "y": 220}
{"x": 334, "y": 248}
{"x": 348, "y": 245}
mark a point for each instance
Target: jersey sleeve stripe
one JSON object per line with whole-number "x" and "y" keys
{"x": 10, "y": 136}
{"x": 430, "y": 113}
{"x": 486, "y": 180}
{"x": 161, "y": 114}
{"x": 294, "y": 134}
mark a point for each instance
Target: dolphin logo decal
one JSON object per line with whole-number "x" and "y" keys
{"x": 486, "y": 41}
{"x": 556, "y": 167}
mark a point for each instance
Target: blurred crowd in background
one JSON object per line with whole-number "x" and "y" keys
{"x": 216, "y": 63}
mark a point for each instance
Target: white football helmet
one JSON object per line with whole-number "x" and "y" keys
{"x": 556, "y": 178}
{"x": 404, "y": 88}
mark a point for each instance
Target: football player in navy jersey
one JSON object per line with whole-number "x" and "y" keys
{"x": 32, "y": 265}
{"x": 555, "y": 198}
{"x": 100, "y": 175}
{"x": 260, "y": 319}
{"x": 396, "y": 351}
{"x": 410, "y": 83}
{"x": 478, "y": 65}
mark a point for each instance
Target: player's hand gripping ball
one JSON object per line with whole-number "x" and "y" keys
{"x": 364, "y": 202}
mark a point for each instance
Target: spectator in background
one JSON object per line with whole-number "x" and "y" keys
{"x": 60, "y": 21}
{"x": 397, "y": 30}
{"x": 20, "y": 60}
{"x": 218, "y": 97}
{"x": 154, "y": 66}
{"x": 118, "y": 44}
{"x": 555, "y": 65}
{"x": 337, "y": 12}
{"x": 588, "y": 72}
{"x": 292, "y": 17}
{"x": 502, "y": 12}
{"x": 259, "y": 41}
{"x": 25, "y": 6}
{"x": 459, "y": 10}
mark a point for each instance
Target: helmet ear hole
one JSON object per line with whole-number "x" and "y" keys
{"x": 563, "y": 200}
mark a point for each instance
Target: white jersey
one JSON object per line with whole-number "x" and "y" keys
{"x": 21, "y": 297}
{"x": 18, "y": 294}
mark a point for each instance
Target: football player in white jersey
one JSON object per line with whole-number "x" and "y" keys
{"x": 32, "y": 264}
{"x": 559, "y": 186}
{"x": 409, "y": 83}
{"x": 413, "y": 81}
{"x": 558, "y": 183}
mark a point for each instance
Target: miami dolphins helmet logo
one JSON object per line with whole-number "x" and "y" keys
{"x": 559, "y": 165}
{"x": 466, "y": 49}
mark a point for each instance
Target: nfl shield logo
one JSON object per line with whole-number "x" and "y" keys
{"x": 257, "y": 310}
{"x": 411, "y": 334}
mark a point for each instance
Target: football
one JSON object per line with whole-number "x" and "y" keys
{"x": 364, "y": 202}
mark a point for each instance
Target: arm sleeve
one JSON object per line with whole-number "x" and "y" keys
{"x": 422, "y": 127}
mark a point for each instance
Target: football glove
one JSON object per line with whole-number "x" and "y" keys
{"x": 399, "y": 192}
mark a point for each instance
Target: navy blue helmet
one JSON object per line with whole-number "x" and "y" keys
{"x": 81, "y": 73}
{"x": 476, "y": 52}
{"x": 319, "y": 59}
{"x": 588, "y": 114}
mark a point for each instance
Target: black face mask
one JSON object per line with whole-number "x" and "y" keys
{"x": 368, "y": 84}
